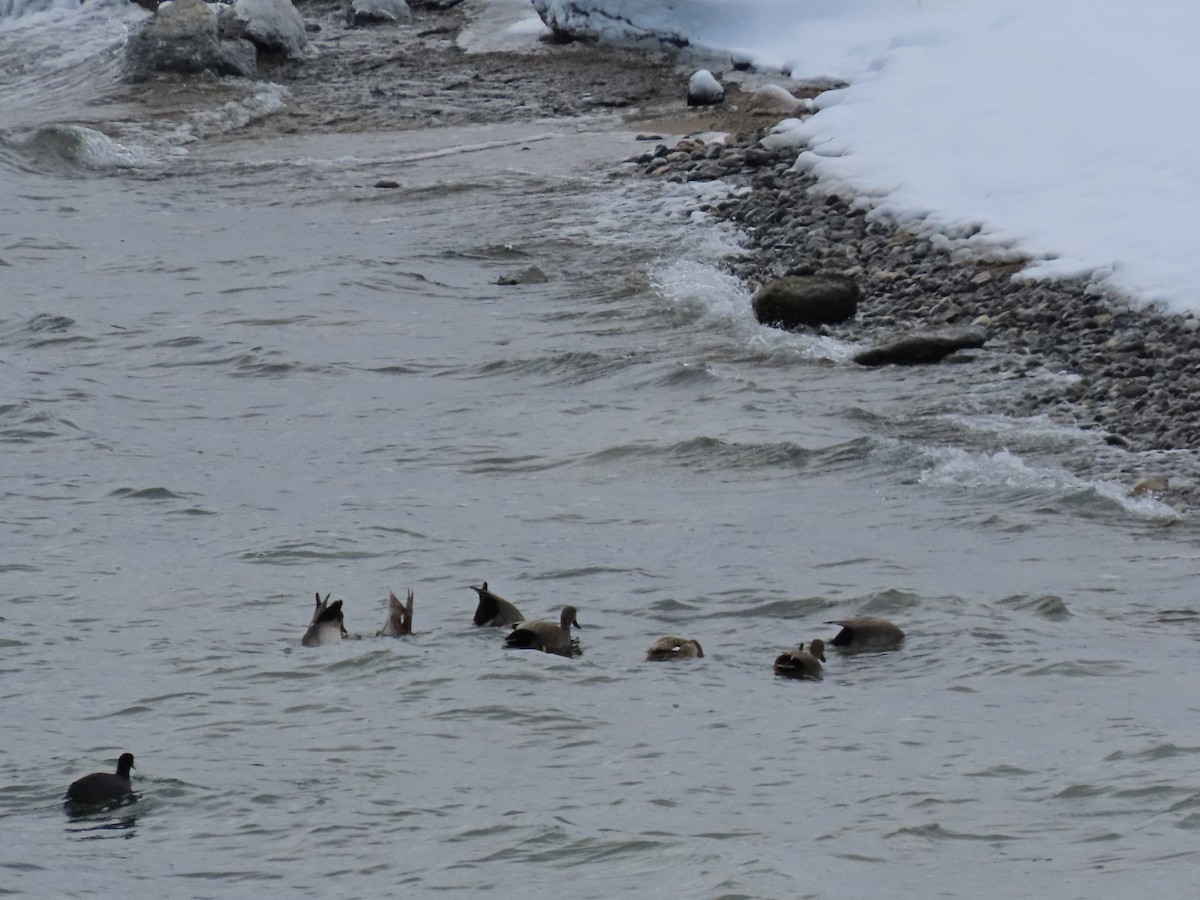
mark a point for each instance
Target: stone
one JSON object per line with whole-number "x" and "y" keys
{"x": 183, "y": 38}
{"x": 796, "y": 301}
{"x": 274, "y": 25}
{"x": 775, "y": 99}
{"x": 377, "y": 12}
{"x": 569, "y": 20}
{"x": 921, "y": 349}
{"x": 704, "y": 89}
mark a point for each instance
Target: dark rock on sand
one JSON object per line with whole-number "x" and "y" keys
{"x": 704, "y": 89}
{"x": 183, "y": 38}
{"x": 921, "y": 349}
{"x": 795, "y": 301}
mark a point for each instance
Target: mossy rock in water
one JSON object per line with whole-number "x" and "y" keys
{"x": 798, "y": 301}
{"x": 921, "y": 349}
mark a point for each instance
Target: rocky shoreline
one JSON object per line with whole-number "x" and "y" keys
{"x": 1066, "y": 349}
{"x": 1080, "y": 355}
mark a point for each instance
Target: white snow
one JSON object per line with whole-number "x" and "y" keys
{"x": 703, "y": 89}
{"x": 1063, "y": 128}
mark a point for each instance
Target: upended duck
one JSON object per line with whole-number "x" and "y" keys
{"x": 867, "y": 633}
{"x": 801, "y": 663}
{"x": 102, "y": 789}
{"x": 328, "y": 624}
{"x": 399, "y": 618}
{"x": 672, "y": 647}
{"x": 494, "y": 610}
{"x": 547, "y": 636}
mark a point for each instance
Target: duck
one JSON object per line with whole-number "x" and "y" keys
{"x": 328, "y": 624}
{"x": 547, "y": 636}
{"x": 399, "y": 618}
{"x": 801, "y": 663}
{"x": 103, "y": 788}
{"x": 493, "y": 610}
{"x": 866, "y": 633}
{"x": 674, "y": 648}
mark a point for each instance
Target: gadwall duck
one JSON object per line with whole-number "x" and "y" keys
{"x": 494, "y": 610}
{"x": 103, "y": 788}
{"x": 328, "y": 625}
{"x": 867, "y": 633}
{"x": 399, "y": 619}
{"x": 801, "y": 663}
{"x": 549, "y": 637}
{"x": 674, "y": 648}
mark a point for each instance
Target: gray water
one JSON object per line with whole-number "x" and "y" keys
{"x": 241, "y": 374}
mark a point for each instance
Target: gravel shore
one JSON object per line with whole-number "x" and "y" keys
{"x": 1084, "y": 356}
{"x": 1071, "y": 351}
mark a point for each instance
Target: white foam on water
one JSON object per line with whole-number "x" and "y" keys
{"x": 955, "y": 467}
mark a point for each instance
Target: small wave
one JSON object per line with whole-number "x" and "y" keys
{"x": 44, "y": 329}
{"x": 774, "y": 609}
{"x": 683, "y": 375}
{"x": 232, "y": 115}
{"x": 882, "y": 603}
{"x": 587, "y": 572}
{"x": 1006, "y": 473}
{"x": 498, "y": 465}
{"x": 302, "y": 552}
{"x": 154, "y": 493}
{"x": 14, "y": 9}
{"x": 65, "y": 149}
{"x": 936, "y": 832}
{"x": 711, "y": 453}
{"x": 1153, "y": 753}
{"x": 576, "y": 367}
{"x": 1075, "y": 668}
{"x": 1049, "y": 606}
{"x": 23, "y": 422}
{"x": 1081, "y": 792}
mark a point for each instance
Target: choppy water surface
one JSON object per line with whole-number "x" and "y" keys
{"x": 245, "y": 374}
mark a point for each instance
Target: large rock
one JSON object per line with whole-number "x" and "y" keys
{"x": 704, "y": 89}
{"x": 796, "y": 301}
{"x": 274, "y": 25}
{"x": 921, "y": 349}
{"x": 571, "y": 20}
{"x": 377, "y": 12}
{"x": 183, "y": 38}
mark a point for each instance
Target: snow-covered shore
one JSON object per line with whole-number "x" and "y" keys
{"x": 1060, "y": 129}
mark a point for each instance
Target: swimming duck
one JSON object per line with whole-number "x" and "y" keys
{"x": 328, "y": 624}
{"x": 802, "y": 663}
{"x": 494, "y": 609}
{"x": 674, "y": 648}
{"x": 867, "y": 633}
{"x": 399, "y": 619}
{"x": 103, "y": 788}
{"x": 549, "y": 637}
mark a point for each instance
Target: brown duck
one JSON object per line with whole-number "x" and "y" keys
{"x": 671, "y": 647}
{"x": 867, "y": 633}
{"x": 547, "y": 636}
{"x": 494, "y": 610}
{"x": 801, "y": 663}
